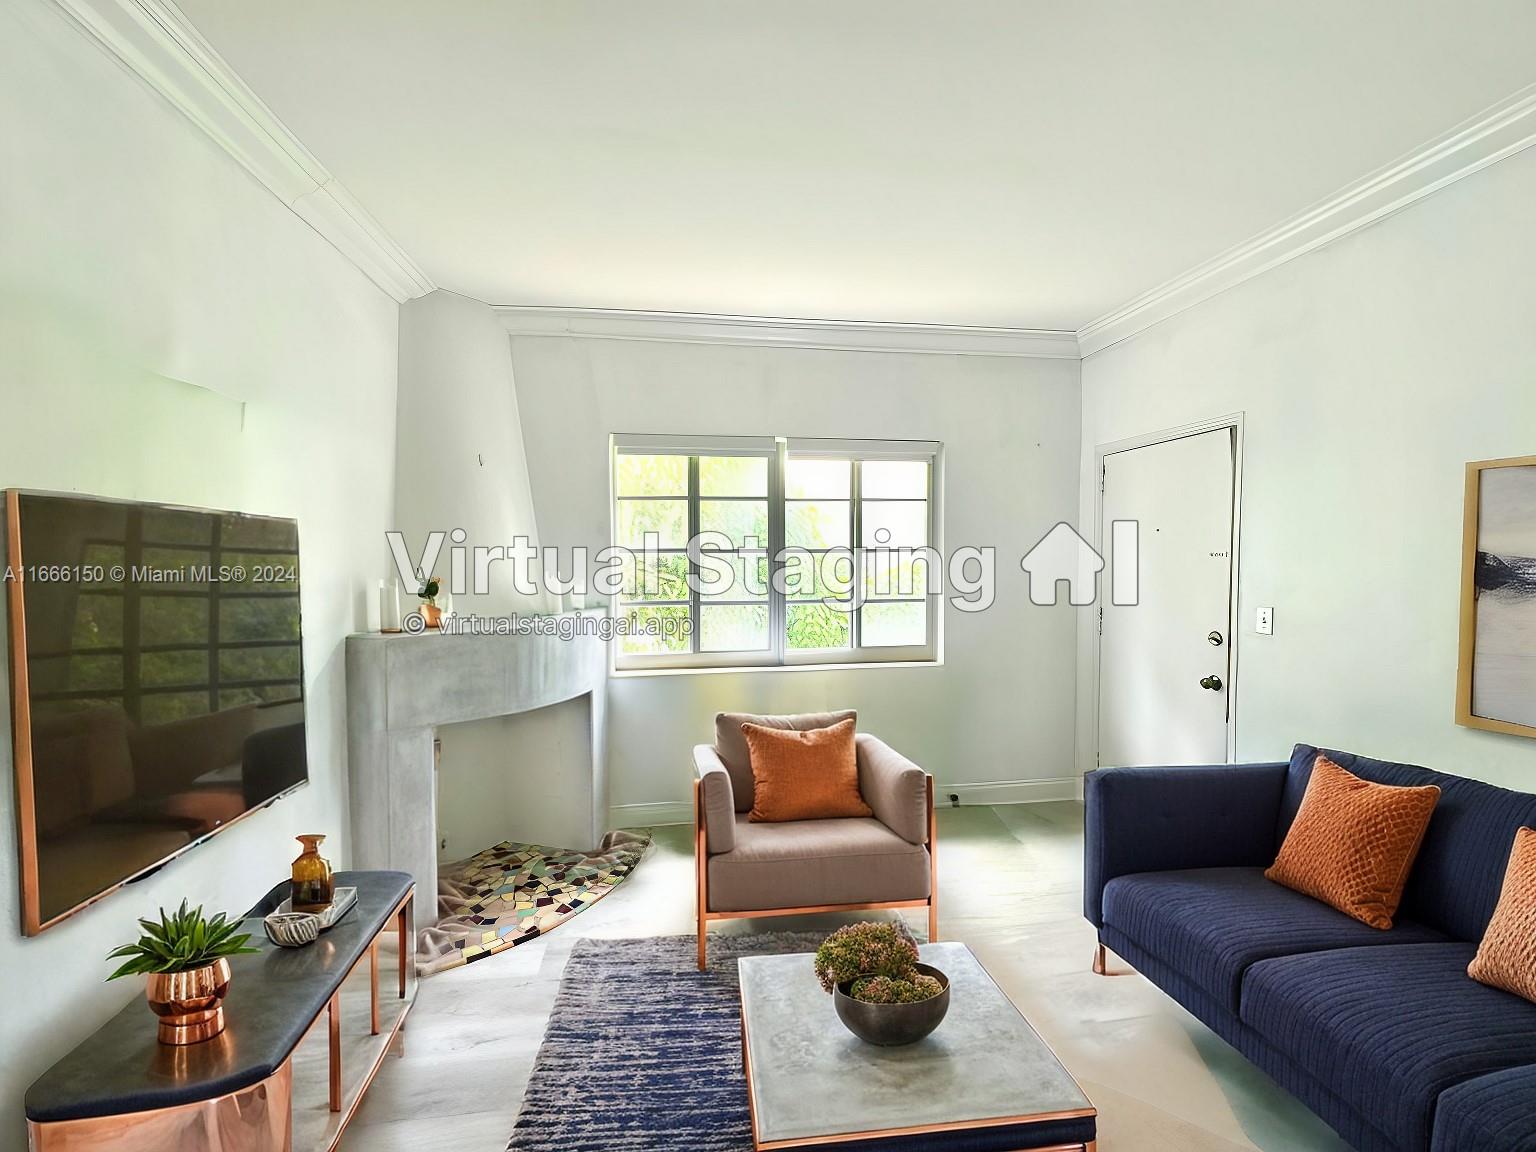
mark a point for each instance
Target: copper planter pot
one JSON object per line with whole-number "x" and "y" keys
{"x": 190, "y": 1004}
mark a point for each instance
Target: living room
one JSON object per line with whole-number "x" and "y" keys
{"x": 651, "y": 494}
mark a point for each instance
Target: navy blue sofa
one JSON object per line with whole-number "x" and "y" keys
{"x": 1382, "y": 1034}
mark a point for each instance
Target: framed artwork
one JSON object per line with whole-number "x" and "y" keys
{"x": 1496, "y": 674}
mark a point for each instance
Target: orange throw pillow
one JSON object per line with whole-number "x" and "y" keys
{"x": 1507, "y": 956}
{"x": 812, "y": 775}
{"x": 1353, "y": 842}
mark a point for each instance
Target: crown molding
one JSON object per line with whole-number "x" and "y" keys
{"x": 837, "y": 335}
{"x": 156, "y": 42}
{"x": 1502, "y": 130}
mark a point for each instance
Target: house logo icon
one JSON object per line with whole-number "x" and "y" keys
{"x": 1063, "y": 555}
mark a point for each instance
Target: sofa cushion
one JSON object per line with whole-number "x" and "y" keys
{"x": 1389, "y": 1029}
{"x": 1506, "y": 955}
{"x": 1493, "y": 1113}
{"x": 1353, "y": 842}
{"x": 731, "y": 745}
{"x": 1455, "y": 882}
{"x": 1212, "y": 923}
{"x": 809, "y": 863}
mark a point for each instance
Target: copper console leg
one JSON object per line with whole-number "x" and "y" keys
{"x": 373, "y": 987}
{"x": 334, "y": 1011}
{"x": 405, "y": 949}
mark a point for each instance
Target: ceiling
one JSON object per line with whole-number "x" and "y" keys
{"x": 1013, "y": 162}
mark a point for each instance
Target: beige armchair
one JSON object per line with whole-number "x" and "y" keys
{"x": 746, "y": 869}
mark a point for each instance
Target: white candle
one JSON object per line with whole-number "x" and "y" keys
{"x": 389, "y": 605}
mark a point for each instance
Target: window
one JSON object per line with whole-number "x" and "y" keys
{"x": 804, "y": 551}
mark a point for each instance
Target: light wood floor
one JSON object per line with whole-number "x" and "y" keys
{"x": 1010, "y": 886}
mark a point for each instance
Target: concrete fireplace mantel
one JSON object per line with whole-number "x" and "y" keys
{"x": 401, "y": 688}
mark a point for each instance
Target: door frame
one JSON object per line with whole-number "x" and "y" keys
{"x": 1234, "y": 421}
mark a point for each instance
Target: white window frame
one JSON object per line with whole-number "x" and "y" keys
{"x": 776, "y": 450}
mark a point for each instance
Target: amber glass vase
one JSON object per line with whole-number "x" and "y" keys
{"x": 313, "y": 885}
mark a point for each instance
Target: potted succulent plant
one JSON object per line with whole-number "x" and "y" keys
{"x": 431, "y": 611}
{"x": 185, "y": 958}
{"x": 883, "y": 993}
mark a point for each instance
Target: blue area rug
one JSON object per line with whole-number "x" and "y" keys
{"x": 643, "y": 1051}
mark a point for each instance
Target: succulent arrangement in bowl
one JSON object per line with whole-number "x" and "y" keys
{"x": 883, "y": 993}
{"x": 185, "y": 958}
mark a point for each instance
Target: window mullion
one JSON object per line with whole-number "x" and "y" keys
{"x": 856, "y": 540}
{"x": 778, "y": 612}
{"x": 694, "y": 614}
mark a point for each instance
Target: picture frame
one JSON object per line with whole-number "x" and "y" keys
{"x": 1496, "y": 668}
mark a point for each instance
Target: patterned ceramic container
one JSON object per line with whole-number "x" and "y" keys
{"x": 292, "y": 929}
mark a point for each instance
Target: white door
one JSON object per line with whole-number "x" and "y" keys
{"x": 1164, "y": 662}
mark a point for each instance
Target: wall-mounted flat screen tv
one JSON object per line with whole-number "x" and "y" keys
{"x": 157, "y": 685}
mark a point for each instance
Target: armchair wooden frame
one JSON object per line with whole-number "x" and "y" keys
{"x": 701, "y": 881}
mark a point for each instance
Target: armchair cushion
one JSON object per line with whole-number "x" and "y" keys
{"x": 731, "y": 745}
{"x": 716, "y": 799}
{"x": 895, "y": 788}
{"x": 804, "y": 775}
{"x": 810, "y": 863}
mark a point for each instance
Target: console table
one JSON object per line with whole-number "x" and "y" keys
{"x": 272, "y": 1081}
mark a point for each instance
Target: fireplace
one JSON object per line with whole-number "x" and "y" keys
{"x": 510, "y": 778}
{"x": 405, "y": 692}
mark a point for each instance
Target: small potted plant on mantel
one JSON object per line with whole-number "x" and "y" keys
{"x": 186, "y": 960}
{"x": 882, "y": 993}
{"x": 431, "y": 612}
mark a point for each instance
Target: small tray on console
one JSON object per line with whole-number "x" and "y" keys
{"x": 341, "y": 904}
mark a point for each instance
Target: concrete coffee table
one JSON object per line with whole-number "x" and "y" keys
{"x": 983, "y": 1082}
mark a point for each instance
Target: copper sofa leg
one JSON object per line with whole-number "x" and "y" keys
{"x": 1100, "y": 968}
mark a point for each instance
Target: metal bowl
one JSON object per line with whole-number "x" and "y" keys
{"x": 292, "y": 929}
{"x": 890, "y": 1025}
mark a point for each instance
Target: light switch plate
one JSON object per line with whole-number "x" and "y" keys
{"x": 1265, "y": 624}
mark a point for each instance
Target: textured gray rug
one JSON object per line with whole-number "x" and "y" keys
{"x": 643, "y": 1051}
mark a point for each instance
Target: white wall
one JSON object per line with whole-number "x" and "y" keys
{"x": 169, "y": 331}
{"x": 459, "y": 457}
{"x": 1370, "y": 372}
{"x": 1000, "y": 708}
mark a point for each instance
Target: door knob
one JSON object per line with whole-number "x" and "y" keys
{"x": 1213, "y": 683}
